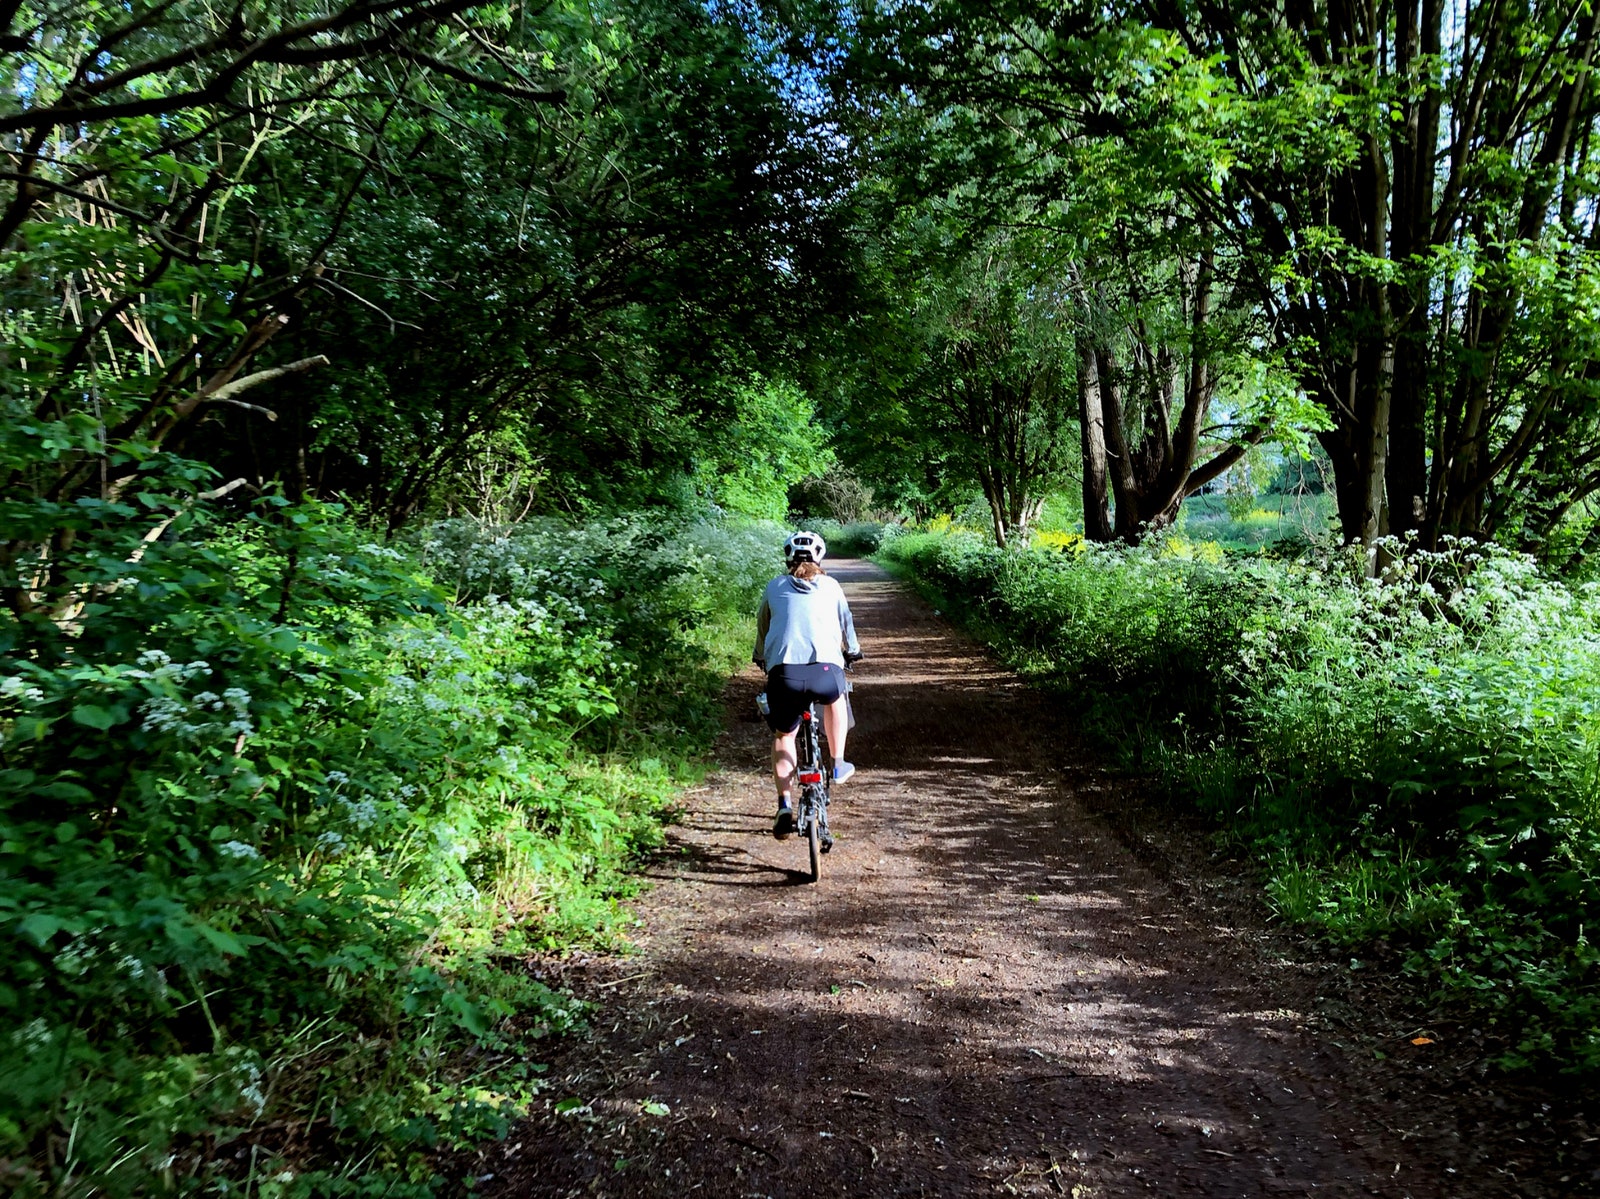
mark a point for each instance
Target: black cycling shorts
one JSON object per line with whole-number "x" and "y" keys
{"x": 792, "y": 689}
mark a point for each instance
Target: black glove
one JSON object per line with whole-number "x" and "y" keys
{"x": 851, "y": 659}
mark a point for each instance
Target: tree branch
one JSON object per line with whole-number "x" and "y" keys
{"x": 514, "y": 90}
{"x": 225, "y": 394}
{"x": 1218, "y": 466}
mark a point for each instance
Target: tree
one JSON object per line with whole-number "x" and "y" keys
{"x": 408, "y": 234}
{"x": 774, "y": 443}
{"x": 139, "y": 299}
{"x": 994, "y": 393}
{"x": 1407, "y": 191}
{"x": 585, "y": 281}
{"x": 1147, "y": 379}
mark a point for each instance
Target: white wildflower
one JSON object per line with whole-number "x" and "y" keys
{"x": 331, "y": 843}
{"x": 33, "y": 1035}
{"x": 164, "y": 714}
{"x": 362, "y": 815}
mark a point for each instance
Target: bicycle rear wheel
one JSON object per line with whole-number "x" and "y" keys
{"x": 814, "y": 841}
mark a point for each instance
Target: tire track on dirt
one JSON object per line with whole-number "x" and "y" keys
{"x": 986, "y": 994}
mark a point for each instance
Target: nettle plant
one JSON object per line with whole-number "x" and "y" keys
{"x": 256, "y": 775}
{"x": 651, "y": 581}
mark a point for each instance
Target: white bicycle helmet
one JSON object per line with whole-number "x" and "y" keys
{"x": 804, "y": 547}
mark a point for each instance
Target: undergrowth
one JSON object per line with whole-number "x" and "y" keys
{"x": 859, "y": 539}
{"x": 1413, "y": 761}
{"x": 284, "y": 811}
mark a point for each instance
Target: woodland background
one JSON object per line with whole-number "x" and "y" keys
{"x": 402, "y": 401}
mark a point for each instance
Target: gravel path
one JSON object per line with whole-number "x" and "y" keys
{"x": 987, "y": 993}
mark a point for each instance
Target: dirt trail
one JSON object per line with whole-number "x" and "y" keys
{"x": 986, "y": 994}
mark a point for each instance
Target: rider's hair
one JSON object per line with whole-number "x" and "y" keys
{"x": 806, "y": 569}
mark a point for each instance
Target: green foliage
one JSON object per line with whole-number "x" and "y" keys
{"x": 283, "y": 804}
{"x": 1413, "y": 758}
{"x": 1243, "y": 521}
{"x": 664, "y": 585}
{"x": 1462, "y": 296}
{"x": 552, "y": 260}
{"x": 982, "y": 396}
{"x": 859, "y": 539}
{"x": 587, "y": 298}
{"x": 279, "y": 816}
{"x": 838, "y": 495}
{"x": 772, "y": 444}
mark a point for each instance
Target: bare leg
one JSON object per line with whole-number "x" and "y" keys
{"x": 783, "y": 762}
{"x": 836, "y": 723}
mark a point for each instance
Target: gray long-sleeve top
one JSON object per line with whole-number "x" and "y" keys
{"x": 804, "y": 620}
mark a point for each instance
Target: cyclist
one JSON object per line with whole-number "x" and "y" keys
{"x": 805, "y": 636}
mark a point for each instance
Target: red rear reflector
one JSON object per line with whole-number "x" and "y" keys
{"x": 805, "y": 716}
{"x": 814, "y": 777}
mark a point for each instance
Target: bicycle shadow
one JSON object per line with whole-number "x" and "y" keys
{"x": 719, "y": 864}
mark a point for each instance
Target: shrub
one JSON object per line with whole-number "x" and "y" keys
{"x": 274, "y": 805}
{"x": 860, "y": 539}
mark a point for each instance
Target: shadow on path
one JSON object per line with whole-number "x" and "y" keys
{"x": 986, "y": 994}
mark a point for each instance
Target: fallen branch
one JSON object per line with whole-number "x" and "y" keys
{"x": 225, "y": 393}
{"x": 266, "y": 412}
{"x": 154, "y": 535}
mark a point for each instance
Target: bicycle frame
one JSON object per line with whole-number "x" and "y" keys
{"x": 814, "y": 778}
{"x": 814, "y": 781}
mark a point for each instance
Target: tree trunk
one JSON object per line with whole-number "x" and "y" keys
{"x": 1129, "y": 519}
{"x": 1372, "y": 446}
{"x": 1092, "y": 425}
{"x": 1347, "y": 495}
{"x": 1406, "y": 475}
{"x": 995, "y": 498}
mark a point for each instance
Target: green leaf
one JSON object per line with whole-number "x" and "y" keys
{"x": 94, "y": 716}
{"x": 40, "y": 926}
{"x": 223, "y": 941}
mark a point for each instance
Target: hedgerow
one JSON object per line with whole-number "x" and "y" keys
{"x": 857, "y": 539}
{"x": 283, "y": 810}
{"x": 1413, "y": 759}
